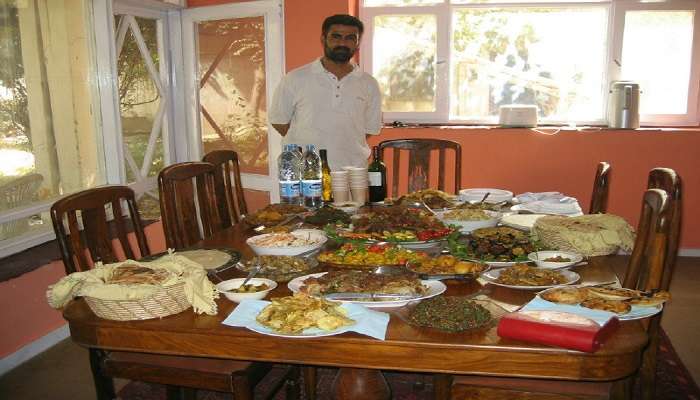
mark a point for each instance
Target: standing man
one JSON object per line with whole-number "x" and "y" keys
{"x": 330, "y": 102}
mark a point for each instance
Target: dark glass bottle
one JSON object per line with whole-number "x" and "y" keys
{"x": 377, "y": 178}
{"x": 325, "y": 177}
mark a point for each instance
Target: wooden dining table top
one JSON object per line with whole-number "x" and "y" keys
{"x": 406, "y": 347}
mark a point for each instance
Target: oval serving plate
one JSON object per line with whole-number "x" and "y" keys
{"x": 492, "y": 275}
{"x": 434, "y": 288}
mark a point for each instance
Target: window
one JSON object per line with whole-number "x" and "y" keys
{"x": 48, "y": 141}
{"x": 460, "y": 60}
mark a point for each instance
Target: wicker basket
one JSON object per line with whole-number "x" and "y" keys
{"x": 166, "y": 301}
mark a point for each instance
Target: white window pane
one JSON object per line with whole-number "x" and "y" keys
{"x": 383, "y": 3}
{"x": 403, "y": 61}
{"x": 523, "y": 1}
{"x": 48, "y": 144}
{"x": 656, "y": 52}
{"x": 551, "y": 57}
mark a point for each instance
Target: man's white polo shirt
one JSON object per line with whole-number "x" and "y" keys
{"x": 332, "y": 114}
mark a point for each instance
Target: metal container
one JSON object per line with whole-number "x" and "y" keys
{"x": 623, "y": 110}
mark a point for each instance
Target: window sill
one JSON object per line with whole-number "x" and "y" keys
{"x": 548, "y": 128}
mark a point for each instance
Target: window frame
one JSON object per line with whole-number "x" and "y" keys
{"x": 616, "y": 14}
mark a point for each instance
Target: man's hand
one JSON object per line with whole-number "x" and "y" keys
{"x": 281, "y": 128}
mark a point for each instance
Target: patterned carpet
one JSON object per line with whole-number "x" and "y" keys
{"x": 673, "y": 382}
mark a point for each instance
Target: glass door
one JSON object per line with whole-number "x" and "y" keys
{"x": 233, "y": 61}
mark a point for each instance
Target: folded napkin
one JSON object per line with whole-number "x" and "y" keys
{"x": 567, "y": 206}
{"x": 529, "y": 197}
{"x": 199, "y": 291}
{"x": 367, "y": 322}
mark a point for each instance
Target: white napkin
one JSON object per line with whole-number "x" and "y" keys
{"x": 545, "y": 207}
{"x": 529, "y": 197}
{"x": 367, "y": 322}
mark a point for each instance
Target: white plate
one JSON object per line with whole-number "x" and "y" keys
{"x": 635, "y": 313}
{"x": 468, "y": 226}
{"x": 309, "y": 332}
{"x": 318, "y": 238}
{"x": 476, "y": 194}
{"x": 434, "y": 288}
{"x": 491, "y": 276}
{"x": 539, "y": 257}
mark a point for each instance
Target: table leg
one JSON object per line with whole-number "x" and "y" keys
{"x": 366, "y": 384}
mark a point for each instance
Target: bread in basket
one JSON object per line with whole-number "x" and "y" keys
{"x": 589, "y": 235}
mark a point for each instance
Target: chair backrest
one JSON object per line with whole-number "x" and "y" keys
{"x": 88, "y": 238}
{"x": 667, "y": 180}
{"x": 601, "y": 186}
{"x": 188, "y": 200}
{"x": 418, "y": 152}
{"x": 228, "y": 187}
{"x": 648, "y": 260}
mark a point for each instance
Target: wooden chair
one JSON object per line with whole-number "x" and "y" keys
{"x": 88, "y": 240}
{"x": 227, "y": 185}
{"x": 418, "y": 152}
{"x": 601, "y": 186}
{"x": 667, "y": 180}
{"x": 645, "y": 271}
{"x": 188, "y": 205}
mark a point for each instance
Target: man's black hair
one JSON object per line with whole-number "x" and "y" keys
{"x": 341, "y": 19}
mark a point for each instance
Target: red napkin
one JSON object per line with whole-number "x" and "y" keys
{"x": 554, "y": 328}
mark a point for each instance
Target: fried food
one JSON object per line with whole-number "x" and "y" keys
{"x": 294, "y": 314}
{"x": 609, "y": 293}
{"x": 524, "y": 275}
{"x": 565, "y": 295}
{"x": 650, "y": 300}
{"x": 446, "y": 264}
{"x": 431, "y": 197}
{"x": 615, "y": 306}
{"x": 495, "y": 244}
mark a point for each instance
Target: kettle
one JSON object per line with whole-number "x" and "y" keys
{"x": 623, "y": 110}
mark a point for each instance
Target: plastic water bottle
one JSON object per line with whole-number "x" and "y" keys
{"x": 311, "y": 178}
{"x": 289, "y": 167}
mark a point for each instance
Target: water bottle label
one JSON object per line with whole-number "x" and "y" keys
{"x": 289, "y": 189}
{"x": 311, "y": 188}
{"x": 375, "y": 179}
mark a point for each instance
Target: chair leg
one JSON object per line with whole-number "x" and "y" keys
{"x": 104, "y": 386}
{"x": 442, "y": 386}
{"x": 622, "y": 389}
{"x": 292, "y": 387}
{"x": 180, "y": 393}
{"x": 647, "y": 372}
{"x": 242, "y": 389}
{"x": 309, "y": 376}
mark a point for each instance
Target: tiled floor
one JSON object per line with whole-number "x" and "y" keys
{"x": 63, "y": 372}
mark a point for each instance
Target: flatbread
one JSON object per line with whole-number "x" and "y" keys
{"x": 650, "y": 301}
{"x": 615, "y": 306}
{"x": 209, "y": 259}
{"x": 132, "y": 274}
{"x": 609, "y": 293}
{"x": 565, "y": 295}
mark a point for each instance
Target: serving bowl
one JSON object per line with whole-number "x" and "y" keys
{"x": 476, "y": 194}
{"x": 349, "y": 207}
{"x": 466, "y": 226}
{"x": 540, "y": 258}
{"x": 225, "y": 288}
{"x": 287, "y": 244}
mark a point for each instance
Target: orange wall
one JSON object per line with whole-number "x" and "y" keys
{"x": 30, "y": 317}
{"x": 524, "y": 160}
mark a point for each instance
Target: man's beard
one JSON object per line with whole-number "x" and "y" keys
{"x": 340, "y": 54}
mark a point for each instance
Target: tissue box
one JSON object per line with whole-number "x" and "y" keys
{"x": 555, "y": 328}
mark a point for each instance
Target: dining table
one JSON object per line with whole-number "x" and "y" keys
{"x": 360, "y": 359}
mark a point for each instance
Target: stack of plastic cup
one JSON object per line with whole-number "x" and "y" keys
{"x": 359, "y": 182}
{"x": 340, "y": 186}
